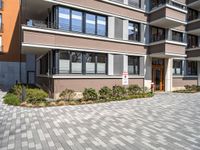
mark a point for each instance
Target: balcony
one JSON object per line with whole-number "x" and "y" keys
{"x": 167, "y": 16}
{"x": 193, "y": 27}
{"x": 193, "y": 54}
{"x": 194, "y": 4}
{"x": 166, "y": 45}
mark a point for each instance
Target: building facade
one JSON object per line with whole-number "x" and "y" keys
{"x": 81, "y": 44}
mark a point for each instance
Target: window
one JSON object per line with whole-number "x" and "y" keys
{"x": 192, "y": 14}
{"x": 76, "y": 59}
{"x": 90, "y": 63}
{"x": 44, "y": 65}
{"x": 135, "y": 3}
{"x": 64, "y": 62}
{"x": 77, "y": 19}
{"x": 71, "y": 62}
{"x": 134, "y": 31}
{"x": 157, "y": 34}
{"x": 133, "y": 65}
{"x": 177, "y": 67}
{"x": 101, "y": 26}
{"x": 64, "y": 18}
{"x": 177, "y": 36}
{"x": 192, "y": 41}
{"x": 90, "y": 24}
{"x": 157, "y": 3}
{"x": 191, "y": 68}
{"x": 101, "y": 63}
{"x": 178, "y": 5}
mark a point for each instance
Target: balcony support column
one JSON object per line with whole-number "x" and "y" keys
{"x": 168, "y": 74}
{"x": 111, "y": 27}
{"x": 110, "y": 64}
{"x": 198, "y": 72}
{"x": 147, "y": 71}
{"x": 125, "y": 30}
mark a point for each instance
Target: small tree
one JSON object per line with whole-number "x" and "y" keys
{"x": 90, "y": 94}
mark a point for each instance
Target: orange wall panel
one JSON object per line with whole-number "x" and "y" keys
{"x": 11, "y": 31}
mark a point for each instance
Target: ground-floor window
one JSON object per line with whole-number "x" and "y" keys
{"x": 191, "y": 68}
{"x": 72, "y": 62}
{"x": 133, "y": 65}
{"x": 177, "y": 67}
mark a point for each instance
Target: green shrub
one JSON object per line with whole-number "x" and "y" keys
{"x": 35, "y": 96}
{"x": 188, "y": 87}
{"x": 90, "y": 94}
{"x": 119, "y": 92}
{"x": 134, "y": 89}
{"x": 11, "y": 99}
{"x": 67, "y": 94}
{"x": 17, "y": 90}
{"x": 105, "y": 93}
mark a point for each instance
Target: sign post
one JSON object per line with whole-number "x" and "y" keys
{"x": 125, "y": 79}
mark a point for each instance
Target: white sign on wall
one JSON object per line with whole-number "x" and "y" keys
{"x": 125, "y": 78}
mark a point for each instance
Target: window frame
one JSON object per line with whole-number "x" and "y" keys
{"x": 175, "y": 67}
{"x": 135, "y": 72}
{"x": 176, "y": 34}
{"x": 192, "y": 41}
{"x": 83, "y": 62}
{"x": 194, "y": 71}
{"x": 163, "y": 37}
{"x": 83, "y": 22}
{"x": 137, "y": 37}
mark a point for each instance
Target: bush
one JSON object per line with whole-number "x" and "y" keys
{"x": 134, "y": 89}
{"x": 67, "y": 95}
{"x": 119, "y": 92}
{"x": 105, "y": 93}
{"x": 35, "y": 96}
{"x": 17, "y": 90}
{"x": 11, "y": 99}
{"x": 90, "y": 94}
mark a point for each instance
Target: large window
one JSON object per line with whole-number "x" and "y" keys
{"x": 192, "y": 41}
{"x": 177, "y": 36}
{"x": 90, "y": 24}
{"x": 157, "y": 34}
{"x": 177, "y": 67}
{"x": 80, "y": 21}
{"x": 71, "y": 62}
{"x": 134, "y": 31}
{"x": 133, "y": 65}
{"x": 192, "y": 14}
{"x": 191, "y": 68}
{"x": 64, "y": 18}
{"x": 101, "y": 26}
{"x": 44, "y": 65}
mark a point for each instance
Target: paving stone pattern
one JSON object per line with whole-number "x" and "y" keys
{"x": 164, "y": 122}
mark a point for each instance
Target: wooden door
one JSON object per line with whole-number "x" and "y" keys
{"x": 158, "y": 77}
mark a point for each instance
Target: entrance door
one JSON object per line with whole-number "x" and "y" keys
{"x": 158, "y": 74}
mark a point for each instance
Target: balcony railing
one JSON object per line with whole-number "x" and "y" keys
{"x": 169, "y": 2}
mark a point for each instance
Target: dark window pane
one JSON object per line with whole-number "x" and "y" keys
{"x": 133, "y": 65}
{"x": 157, "y": 34}
{"x": 177, "y": 67}
{"x": 76, "y": 62}
{"x": 177, "y": 36}
{"x": 191, "y": 68}
{"x": 101, "y": 26}
{"x": 64, "y": 18}
{"x": 101, "y": 63}
{"x": 77, "y": 21}
{"x": 90, "y": 63}
{"x": 192, "y": 41}
{"x": 90, "y": 24}
{"x": 64, "y": 62}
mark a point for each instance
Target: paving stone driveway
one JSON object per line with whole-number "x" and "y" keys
{"x": 167, "y": 121}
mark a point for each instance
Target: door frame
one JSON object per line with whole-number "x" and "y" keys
{"x": 162, "y": 69}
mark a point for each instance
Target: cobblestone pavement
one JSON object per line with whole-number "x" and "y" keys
{"x": 167, "y": 121}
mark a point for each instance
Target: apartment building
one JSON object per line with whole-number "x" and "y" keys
{"x": 58, "y": 44}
